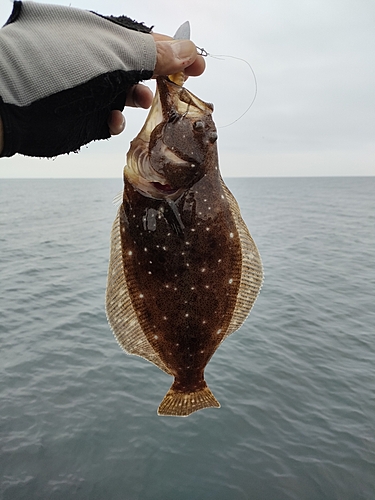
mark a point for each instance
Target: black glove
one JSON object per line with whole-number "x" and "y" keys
{"x": 62, "y": 71}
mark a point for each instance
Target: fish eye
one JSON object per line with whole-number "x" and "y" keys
{"x": 212, "y": 137}
{"x": 198, "y": 125}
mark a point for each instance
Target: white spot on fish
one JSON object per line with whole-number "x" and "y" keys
{"x": 231, "y": 281}
{"x": 165, "y": 318}
{"x": 231, "y": 235}
{"x": 219, "y": 331}
{"x": 145, "y": 249}
{"x": 141, "y": 295}
{"x": 203, "y": 270}
{"x": 186, "y": 315}
{"x": 156, "y": 337}
{"x": 130, "y": 252}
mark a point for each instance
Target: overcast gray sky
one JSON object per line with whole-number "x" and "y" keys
{"x": 315, "y": 66}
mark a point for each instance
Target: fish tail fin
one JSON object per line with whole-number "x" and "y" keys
{"x": 182, "y": 404}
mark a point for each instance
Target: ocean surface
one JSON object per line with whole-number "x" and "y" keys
{"x": 296, "y": 383}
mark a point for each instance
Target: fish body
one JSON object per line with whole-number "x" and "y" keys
{"x": 184, "y": 271}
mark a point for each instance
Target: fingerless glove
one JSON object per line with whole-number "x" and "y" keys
{"x": 62, "y": 71}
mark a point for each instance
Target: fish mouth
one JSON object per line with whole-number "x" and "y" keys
{"x": 175, "y": 99}
{"x": 155, "y": 167}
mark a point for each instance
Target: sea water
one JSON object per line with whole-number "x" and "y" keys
{"x": 296, "y": 382}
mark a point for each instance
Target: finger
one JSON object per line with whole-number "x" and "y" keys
{"x": 116, "y": 122}
{"x": 158, "y": 37}
{"x": 174, "y": 56}
{"x": 197, "y": 68}
{"x": 139, "y": 96}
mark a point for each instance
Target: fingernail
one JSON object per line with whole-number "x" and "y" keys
{"x": 135, "y": 103}
{"x": 183, "y": 49}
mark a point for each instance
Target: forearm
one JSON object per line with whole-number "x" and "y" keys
{"x": 76, "y": 67}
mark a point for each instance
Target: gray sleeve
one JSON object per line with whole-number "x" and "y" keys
{"x": 67, "y": 47}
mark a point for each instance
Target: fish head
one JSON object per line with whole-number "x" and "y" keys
{"x": 175, "y": 147}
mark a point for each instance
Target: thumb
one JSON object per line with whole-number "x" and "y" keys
{"x": 174, "y": 56}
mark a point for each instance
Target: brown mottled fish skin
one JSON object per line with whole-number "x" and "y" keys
{"x": 184, "y": 271}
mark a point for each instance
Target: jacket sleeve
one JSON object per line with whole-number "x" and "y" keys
{"x": 62, "y": 70}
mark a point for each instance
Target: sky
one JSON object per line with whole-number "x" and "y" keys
{"x": 314, "y": 61}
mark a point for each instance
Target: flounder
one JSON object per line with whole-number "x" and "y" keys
{"x": 184, "y": 271}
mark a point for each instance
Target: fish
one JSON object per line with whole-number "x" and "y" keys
{"x": 184, "y": 271}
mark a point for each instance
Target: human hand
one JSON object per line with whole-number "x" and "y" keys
{"x": 173, "y": 56}
{"x": 84, "y": 89}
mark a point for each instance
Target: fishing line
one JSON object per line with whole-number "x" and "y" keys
{"x": 222, "y": 57}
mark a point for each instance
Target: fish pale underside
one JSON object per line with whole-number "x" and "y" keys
{"x": 184, "y": 271}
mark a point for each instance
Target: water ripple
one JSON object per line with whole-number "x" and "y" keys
{"x": 78, "y": 416}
